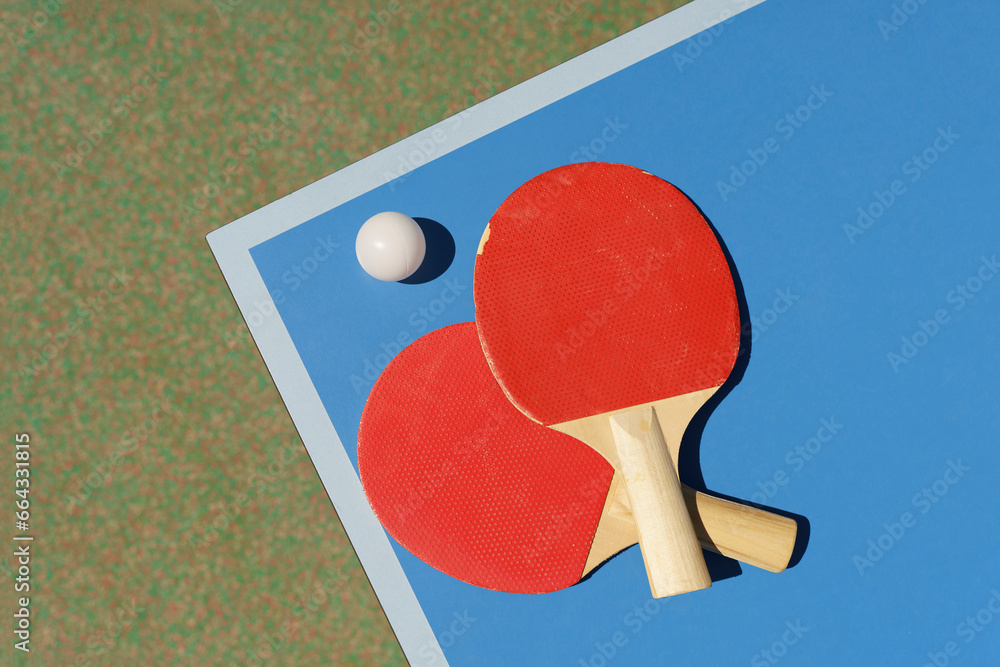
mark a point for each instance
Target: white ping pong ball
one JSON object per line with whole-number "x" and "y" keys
{"x": 390, "y": 246}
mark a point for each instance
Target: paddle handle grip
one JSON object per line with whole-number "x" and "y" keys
{"x": 748, "y": 534}
{"x": 670, "y": 549}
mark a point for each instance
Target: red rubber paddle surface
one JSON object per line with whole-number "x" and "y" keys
{"x": 602, "y": 287}
{"x": 464, "y": 482}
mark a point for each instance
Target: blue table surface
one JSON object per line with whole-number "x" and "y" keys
{"x": 849, "y": 160}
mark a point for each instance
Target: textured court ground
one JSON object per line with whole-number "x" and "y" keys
{"x": 177, "y": 518}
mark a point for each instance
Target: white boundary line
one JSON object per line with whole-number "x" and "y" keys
{"x": 231, "y": 245}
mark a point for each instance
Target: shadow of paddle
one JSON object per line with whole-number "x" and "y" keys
{"x": 689, "y": 459}
{"x": 719, "y": 567}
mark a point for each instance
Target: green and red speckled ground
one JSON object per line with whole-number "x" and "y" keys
{"x": 177, "y": 517}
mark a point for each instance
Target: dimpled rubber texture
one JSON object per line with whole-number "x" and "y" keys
{"x": 600, "y": 288}
{"x": 465, "y": 482}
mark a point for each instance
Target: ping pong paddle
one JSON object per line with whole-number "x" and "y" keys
{"x": 607, "y": 310}
{"x": 465, "y": 482}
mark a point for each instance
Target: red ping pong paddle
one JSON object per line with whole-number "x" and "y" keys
{"x": 471, "y": 486}
{"x": 607, "y": 310}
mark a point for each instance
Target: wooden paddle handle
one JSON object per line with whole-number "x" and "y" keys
{"x": 670, "y": 548}
{"x": 754, "y": 536}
